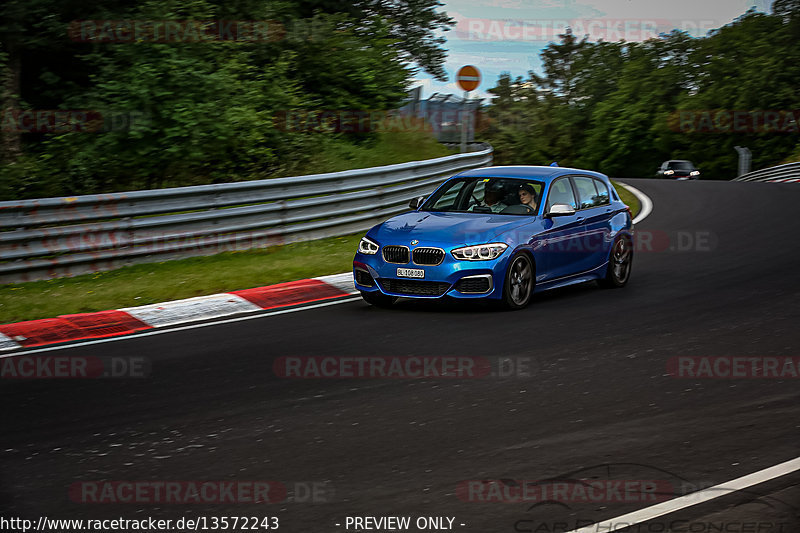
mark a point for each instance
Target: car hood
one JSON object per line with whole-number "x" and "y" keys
{"x": 445, "y": 228}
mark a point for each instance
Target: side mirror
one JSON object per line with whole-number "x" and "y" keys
{"x": 560, "y": 210}
{"x": 416, "y": 202}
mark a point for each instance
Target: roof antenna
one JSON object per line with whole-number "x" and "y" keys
{"x": 554, "y": 164}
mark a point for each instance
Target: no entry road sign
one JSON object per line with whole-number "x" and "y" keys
{"x": 468, "y": 78}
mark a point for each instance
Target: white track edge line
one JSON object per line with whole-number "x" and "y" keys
{"x": 695, "y": 498}
{"x": 150, "y": 332}
{"x": 644, "y": 200}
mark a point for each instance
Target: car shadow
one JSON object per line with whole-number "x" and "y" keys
{"x": 477, "y": 306}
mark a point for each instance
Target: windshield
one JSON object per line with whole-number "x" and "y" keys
{"x": 681, "y": 165}
{"x": 503, "y": 196}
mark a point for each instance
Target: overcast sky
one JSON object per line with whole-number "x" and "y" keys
{"x": 507, "y": 35}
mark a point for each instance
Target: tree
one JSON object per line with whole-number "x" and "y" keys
{"x": 414, "y": 25}
{"x": 617, "y": 107}
{"x": 205, "y": 111}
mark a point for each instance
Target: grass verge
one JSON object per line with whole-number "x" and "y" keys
{"x": 628, "y": 197}
{"x": 172, "y": 280}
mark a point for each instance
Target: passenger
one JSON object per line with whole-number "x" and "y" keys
{"x": 527, "y": 196}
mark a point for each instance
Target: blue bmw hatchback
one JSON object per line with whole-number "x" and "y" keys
{"x": 499, "y": 233}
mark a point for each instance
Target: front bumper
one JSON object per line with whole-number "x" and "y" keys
{"x": 453, "y": 278}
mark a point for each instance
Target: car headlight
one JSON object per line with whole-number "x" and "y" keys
{"x": 669, "y": 172}
{"x": 367, "y": 246}
{"x": 480, "y": 252}
{"x": 694, "y": 173}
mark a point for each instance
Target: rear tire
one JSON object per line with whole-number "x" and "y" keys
{"x": 619, "y": 264}
{"x": 378, "y": 299}
{"x": 518, "y": 287}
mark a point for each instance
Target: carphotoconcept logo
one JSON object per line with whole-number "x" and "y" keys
{"x": 556, "y": 505}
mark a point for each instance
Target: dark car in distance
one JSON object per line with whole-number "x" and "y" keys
{"x": 678, "y": 169}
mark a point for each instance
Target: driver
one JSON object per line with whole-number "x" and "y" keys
{"x": 492, "y": 198}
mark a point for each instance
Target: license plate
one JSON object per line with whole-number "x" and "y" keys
{"x": 410, "y": 273}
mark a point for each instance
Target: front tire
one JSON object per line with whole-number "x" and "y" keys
{"x": 619, "y": 264}
{"x": 378, "y": 299}
{"x": 518, "y": 288}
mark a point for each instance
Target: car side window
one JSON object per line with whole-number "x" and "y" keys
{"x": 587, "y": 194}
{"x": 603, "y": 197}
{"x": 561, "y": 193}
{"x": 477, "y": 194}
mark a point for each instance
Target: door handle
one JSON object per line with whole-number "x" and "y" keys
{"x": 581, "y": 220}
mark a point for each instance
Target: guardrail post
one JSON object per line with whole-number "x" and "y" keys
{"x": 745, "y": 158}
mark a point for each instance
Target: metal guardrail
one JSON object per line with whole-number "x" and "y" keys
{"x": 471, "y": 146}
{"x": 787, "y": 171}
{"x": 55, "y": 237}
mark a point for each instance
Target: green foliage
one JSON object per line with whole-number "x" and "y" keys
{"x": 412, "y": 25}
{"x": 337, "y": 153}
{"x": 794, "y": 157}
{"x": 199, "y": 110}
{"x": 203, "y": 112}
{"x": 615, "y": 106}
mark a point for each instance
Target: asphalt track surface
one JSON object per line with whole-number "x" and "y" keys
{"x": 598, "y": 401}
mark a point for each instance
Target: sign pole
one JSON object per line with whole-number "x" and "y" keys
{"x": 467, "y": 78}
{"x": 464, "y": 113}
